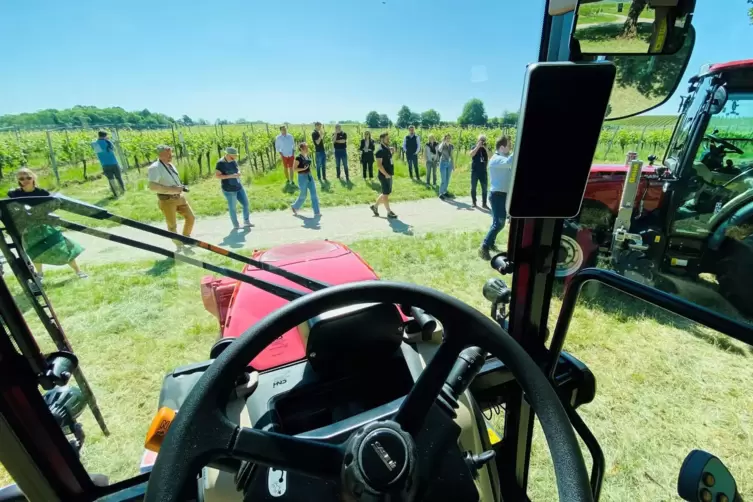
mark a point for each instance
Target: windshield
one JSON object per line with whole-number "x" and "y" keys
{"x": 341, "y": 141}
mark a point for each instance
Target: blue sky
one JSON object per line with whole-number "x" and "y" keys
{"x": 295, "y": 61}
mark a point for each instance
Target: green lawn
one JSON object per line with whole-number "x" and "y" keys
{"x": 665, "y": 386}
{"x": 266, "y": 191}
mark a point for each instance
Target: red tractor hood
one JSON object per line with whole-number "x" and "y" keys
{"x": 603, "y": 169}
{"x": 326, "y": 261}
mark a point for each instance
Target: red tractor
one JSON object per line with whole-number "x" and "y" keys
{"x": 691, "y": 216}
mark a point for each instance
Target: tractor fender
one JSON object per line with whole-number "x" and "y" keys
{"x": 743, "y": 214}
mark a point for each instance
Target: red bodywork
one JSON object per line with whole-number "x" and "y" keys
{"x": 238, "y": 306}
{"x": 605, "y": 183}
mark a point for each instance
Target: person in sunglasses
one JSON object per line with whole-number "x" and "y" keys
{"x": 45, "y": 244}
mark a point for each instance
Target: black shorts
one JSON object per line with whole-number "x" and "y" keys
{"x": 386, "y": 184}
{"x": 111, "y": 172}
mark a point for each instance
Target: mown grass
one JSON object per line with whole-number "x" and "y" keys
{"x": 266, "y": 191}
{"x": 665, "y": 386}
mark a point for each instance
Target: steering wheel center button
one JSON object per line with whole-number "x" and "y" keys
{"x": 383, "y": 457}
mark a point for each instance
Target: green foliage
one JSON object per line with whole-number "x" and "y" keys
{"x": 473, "y": 113}
{"x": 404, "y": 117}
{"x": 429, "y": 118}
{"x": 372, "y": 119}
{"x": 384, "y": 120}
{"x": 86, "y": 116}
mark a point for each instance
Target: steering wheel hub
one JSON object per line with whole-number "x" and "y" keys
{"x": 379, "y": 458}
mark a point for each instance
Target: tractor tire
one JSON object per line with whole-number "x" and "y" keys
{"x": 734, "y": 272}
{"x": 577, "y": 251}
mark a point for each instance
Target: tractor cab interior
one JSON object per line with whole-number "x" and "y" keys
{"x": 326, "y": 382}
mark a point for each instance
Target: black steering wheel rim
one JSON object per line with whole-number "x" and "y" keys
{"x": 201, "y": 431}
{"x": 726, "y": 144}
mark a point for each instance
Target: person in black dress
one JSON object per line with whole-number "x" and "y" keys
{"x": 367, "y": 155}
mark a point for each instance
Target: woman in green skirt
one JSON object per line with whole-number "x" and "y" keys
{"x": 45, "y": 244}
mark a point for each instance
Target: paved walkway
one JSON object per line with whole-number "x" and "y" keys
{"x": 344, "y": 224}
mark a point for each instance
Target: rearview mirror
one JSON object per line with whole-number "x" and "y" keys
{"x": 646, "y": 82}
{"x": 611, "y": 27}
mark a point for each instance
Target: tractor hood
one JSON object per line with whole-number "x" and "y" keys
{"x": 325, "y": 261}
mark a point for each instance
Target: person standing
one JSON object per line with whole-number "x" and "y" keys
{"x": 230, "y": 180}
{"x": 500, "y": 172}
{"x": 341, "y": 151}
{"x": 44, "y": 244}
{"x": 411, "y": 146}
{"x": 285, "y": 146}
{"x": 431, "y": 154}
{"x": 105, "y": 151}
{"x": 302, "y": 165}
{"x": 445, "y": 150}
{"x": 479, "y": 160}
{"x": 321, "y": 156}
{"x": 386, "y": 169}
{"x": 367, "y": 155}
{"x": 164, "y": 180}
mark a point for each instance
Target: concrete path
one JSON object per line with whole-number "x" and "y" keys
{"x": 344, "y": 224}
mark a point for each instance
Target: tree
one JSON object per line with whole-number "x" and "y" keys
{"x": 185, "y": 120}
{"x": 750, "y": 12}
{"x": 510, "y": 119}
{"x": 384, "y": 121}
{"x": 430, "y": 118}
{"x": 473, "y": 113}
{"x": 372, "y": 119}
{"x": 630, "y": 28}
{"x": 404, "y": 117}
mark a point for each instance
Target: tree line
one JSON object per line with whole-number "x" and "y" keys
{"x": 474, "y": 114}
{"x": 86, "y": 116}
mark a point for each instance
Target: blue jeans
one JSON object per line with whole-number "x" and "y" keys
{"x": 445, "y": 171}
{"x": 498, "y": 201}
{"x": 341, "y": 156}
{"x": 306, "y": 184}
{"x": 232, "y": 199}
{"x": 412, "y": 160}
{"x": 321, "y": 165}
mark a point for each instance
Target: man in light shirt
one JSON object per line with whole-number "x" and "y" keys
{"x": 164, "y": 180}
{"x": 285, "y": 146}
{"x": 500, "y": 174}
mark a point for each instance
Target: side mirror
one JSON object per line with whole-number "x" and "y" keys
{"x": 607, "y": 27}
{"x": 720, "y": 99}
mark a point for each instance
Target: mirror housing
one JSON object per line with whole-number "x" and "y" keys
{"x": 637, "y": 27}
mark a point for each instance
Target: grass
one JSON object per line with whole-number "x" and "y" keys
{"x": 266, "y": 191}
{"x": 665, "y": 386}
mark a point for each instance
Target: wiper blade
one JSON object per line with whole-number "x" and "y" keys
{"x": 96, "y": 212}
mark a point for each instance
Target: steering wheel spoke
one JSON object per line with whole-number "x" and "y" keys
{"x": 424, "y": 393}
{"x": 289, "y": 453}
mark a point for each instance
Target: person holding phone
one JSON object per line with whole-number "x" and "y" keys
{"x": 229, "y": 175}
{"x": 321, "y": 156}
{"x": 164, "y": 180}
{"x": 367, "y": 155}
{"x": 302, "y": 166}
{"x": 500, "y": 172}
{"x": 386, "y": 171}
{"x": 479, "y": 159}
{"x": 446, "y": 150}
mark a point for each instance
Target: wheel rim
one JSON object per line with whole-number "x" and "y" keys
{"x": 569, "y": 258}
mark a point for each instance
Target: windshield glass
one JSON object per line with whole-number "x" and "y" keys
{"x": 341, "y": 141}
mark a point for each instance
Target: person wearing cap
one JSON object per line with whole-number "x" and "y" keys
{"x": 105, "y": 151}
{"x": 164, "y": 180}
{"x": 285, "y": 146}
{"x": 227, "y": 171}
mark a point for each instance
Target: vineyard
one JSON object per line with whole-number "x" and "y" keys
{"x": 65, "y": 157}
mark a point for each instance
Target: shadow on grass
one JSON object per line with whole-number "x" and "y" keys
{"x": 347, "y": 184}
{"x": 161, "y": 267}
{"x": 326, "y": 186}
{"x": 236, "y": 238}
{"x": 623, "y": 308}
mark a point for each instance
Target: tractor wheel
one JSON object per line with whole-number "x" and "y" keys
{"x": 577, "y": 251}
{"x": 734, "y": 272}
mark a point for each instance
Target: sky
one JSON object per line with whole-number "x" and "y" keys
{"x": 295, "y": 61}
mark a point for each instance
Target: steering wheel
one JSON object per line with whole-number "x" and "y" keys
{"x": 202, "y": 432}
{"x": 726, "y": 144}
